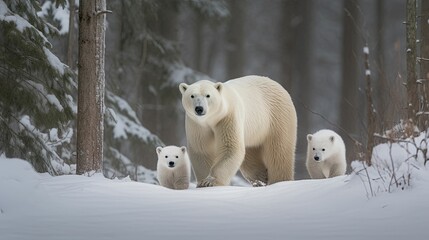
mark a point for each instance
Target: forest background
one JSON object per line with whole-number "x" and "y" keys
{"x": 313, "y": 48}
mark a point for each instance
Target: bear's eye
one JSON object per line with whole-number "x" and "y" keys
{"x": 192, "y": 96}
{"x": 314, "y": 149}
{"x": 166, "y": 156}
{"x": 177, "y": 156}
{"x": 208, "y": 96}
{"x": 323, "y": 149}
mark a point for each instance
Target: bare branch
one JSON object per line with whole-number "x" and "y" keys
{"x": 103, "y": 12}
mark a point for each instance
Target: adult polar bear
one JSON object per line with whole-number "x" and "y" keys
{"x": 247, "y": 123}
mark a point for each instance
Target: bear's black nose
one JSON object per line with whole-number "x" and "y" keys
{"x": 316, "y": 158}
{"x": 171, "y": 164}
{"x": 199, "y": 110}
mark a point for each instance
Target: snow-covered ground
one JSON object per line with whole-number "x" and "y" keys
{"x": 39, "y": 206}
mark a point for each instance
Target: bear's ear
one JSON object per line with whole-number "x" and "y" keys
{"x": 183, "y": 87}
{"x": 183, "y": 148}
{"x": 218, "y": 86}
{"x": 309, "y": 137}
{"x": 331, "y": 138}
{"x": 158, "y": 150}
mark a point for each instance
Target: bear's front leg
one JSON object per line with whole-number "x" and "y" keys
{"x": 230, "y": 153}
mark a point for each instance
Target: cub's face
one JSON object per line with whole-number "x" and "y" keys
{"x": 201, "y": 99}
{"x": 170, "y": 156}
{"x": 320, "y": 148}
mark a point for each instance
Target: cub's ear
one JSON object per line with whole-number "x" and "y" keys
{"x": 183, "y": 87}
{"x": 331, "y": 138}
{"x": 158, "y": 150}
{"x": 183, "y": 148}
{"x": 309, "y": 137}
{"x": 219, "y": 86}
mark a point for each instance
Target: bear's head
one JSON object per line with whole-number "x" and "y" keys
{"x": 171, "y": 156}
{"x": 202, "y": 100}
{"x": 321, "y": 145}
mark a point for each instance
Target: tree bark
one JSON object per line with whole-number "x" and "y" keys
{"x": 297, "y": 17}
{"x": 91, "y": 84}
{"x": 412, "y": 92}
{"x": 235, "y": 35}
{"x": 370, "y": 110}
{"x": 380, "y": 81}
{"x": 349, "y": 112}
{"x": 424, "y": 63}
{"x": 70, "y": 45}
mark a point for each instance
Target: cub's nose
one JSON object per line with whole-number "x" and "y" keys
{"x": 316, "y": 158}
{"x": 199, "y": 110}
{"x": 171, "y": 164}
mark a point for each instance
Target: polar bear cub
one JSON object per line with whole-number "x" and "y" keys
{"x": 326, "y": 154}
{"x": 173, "y": 168}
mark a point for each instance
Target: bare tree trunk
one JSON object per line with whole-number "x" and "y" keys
{"x": 235, "y": 35}
{"x": 424, "y": 63}
{"x": 380, "y": 80}
{"x": 370, "y": 110}
{"x": 350, "y": 74}
{"x": 412, "y": 92}
{"x": 292, "y": 10}
{"x": 199, "y": 39}
{"x": 70, "y": 45}
{"x": 90, "y": 123}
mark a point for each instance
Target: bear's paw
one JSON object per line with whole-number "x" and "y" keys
{"x": 208, "y": 182}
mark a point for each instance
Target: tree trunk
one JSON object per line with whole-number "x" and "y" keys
{"x": 296, "y": 21}
{"x": 349, "y": 112}
{"x": 370, "y": 111}
{"x": 424, "y": 63}
{"x": 90, "y": 123}
{"x": 199, "y": 40}
{"x": 288, "y": 37}
{"x": 70, "y": 45}
{"x": 235, "y": 35}
{"x": 380, "y": 81}
{"x": 412, "y": 93}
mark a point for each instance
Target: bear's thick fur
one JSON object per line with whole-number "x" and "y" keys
{"x": 173, "y": 168}
{"x": 247, "y": 123}
{"x": 326, "y": 154}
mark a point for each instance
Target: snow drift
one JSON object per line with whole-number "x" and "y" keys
{"x": 39, "y": 206}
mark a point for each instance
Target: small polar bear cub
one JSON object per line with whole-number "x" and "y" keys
{"x": 326, "y": 154}
{"x": 173, "y": 168}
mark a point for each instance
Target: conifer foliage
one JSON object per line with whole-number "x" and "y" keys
{"x": 36, "y": 103}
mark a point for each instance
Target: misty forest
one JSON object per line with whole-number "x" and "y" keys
{"x": 92, "y": 88}
{"x": 314, "y": 49}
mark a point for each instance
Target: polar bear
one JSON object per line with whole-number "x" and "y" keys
{"x": 247, "y": 124}
{"x": 326, "y": 154}
{"x": 173, "y": 168}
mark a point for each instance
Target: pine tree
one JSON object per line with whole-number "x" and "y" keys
{"x": 36, "y": 103}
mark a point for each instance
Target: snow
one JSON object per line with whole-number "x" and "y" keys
{"x": 6, "y": 15}
{"x": 52, "y": 99}
{"x": 180, "y": 73}
{"x": 54, "y": 61}
{"x": 60, "y": 13}
{"x": 21, "y": 24}
{"x": 38, "y": 206}
{"x": 366, "y": 50}
{"x": 142, "y": 174}
{"x": 45, "y": 98}
{"x": 124, "y": 120}
{"x": 49, "y": 141}
{"x": 71, "y": 103}
{"x": 367, "y": 72}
